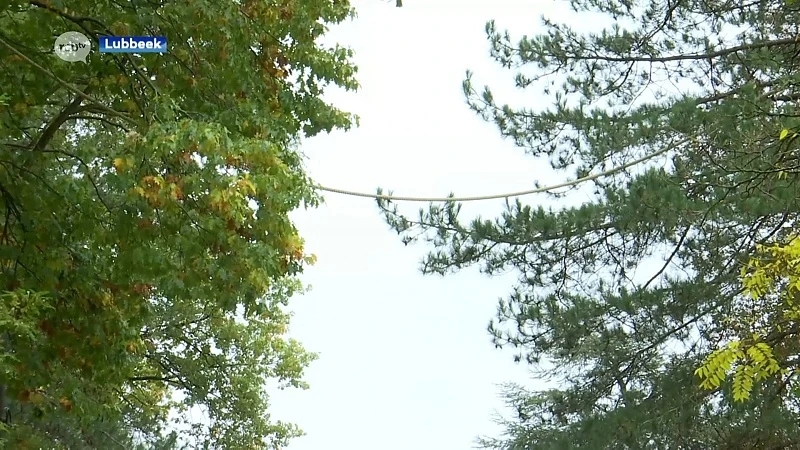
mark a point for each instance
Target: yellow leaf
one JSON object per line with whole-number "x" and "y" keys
{"x": 36, "y": 398}
{"x": 784, "y": 134}
{"x": 119, "y": 28}
{"x": 129, "y": 104}
{"x": 65, "y": 403}
{"x": 120, "y": 164}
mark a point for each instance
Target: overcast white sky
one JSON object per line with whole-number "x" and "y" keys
{"x": 405, "y": 361}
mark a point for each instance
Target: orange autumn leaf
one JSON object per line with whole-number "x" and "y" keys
{"x": 65, "y": 403}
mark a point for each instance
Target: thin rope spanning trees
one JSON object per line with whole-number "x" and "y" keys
{"x": 379, "y": 196}
{"x": 541, "y": 190}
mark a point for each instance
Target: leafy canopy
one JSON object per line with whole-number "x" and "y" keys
{"x": 772, "y": 280}
{"x": 146, "y": 254}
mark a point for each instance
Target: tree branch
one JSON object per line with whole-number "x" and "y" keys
{"x": 67, "y": 85}
{"x": 51, "y": 128}
{"x": 687, "y": 57}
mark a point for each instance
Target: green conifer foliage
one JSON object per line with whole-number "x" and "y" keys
{"x": 720, "y": 180}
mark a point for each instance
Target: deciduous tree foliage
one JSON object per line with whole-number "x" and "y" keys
{"x": 704, "y": 88}
{"x": 772, "y": 279}
{"x": 145, "y": 247}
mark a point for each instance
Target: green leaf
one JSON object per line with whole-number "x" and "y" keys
{"x": 110, "y": 215}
